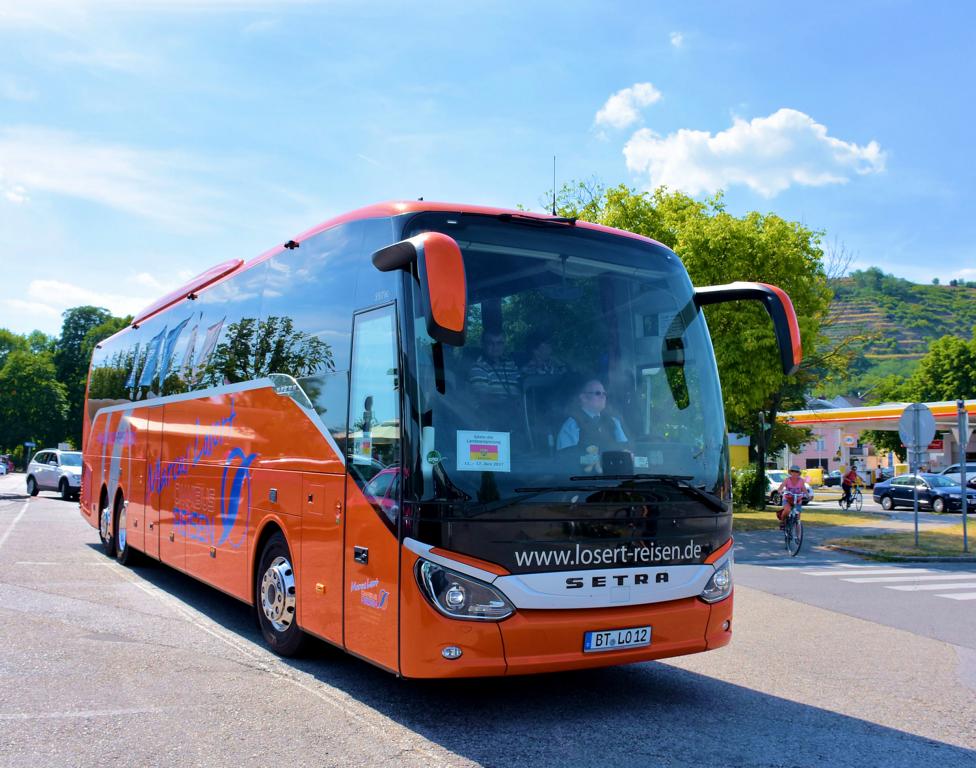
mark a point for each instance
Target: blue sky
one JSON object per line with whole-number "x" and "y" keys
{"x": 141, "y": 142}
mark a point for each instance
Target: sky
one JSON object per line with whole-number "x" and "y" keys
{"x": 143, "y": 142}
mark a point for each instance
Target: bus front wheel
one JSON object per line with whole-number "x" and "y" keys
{"x": 276, "y": 598}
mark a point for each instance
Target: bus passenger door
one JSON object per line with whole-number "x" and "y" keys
{"x": 372, "y": 460}
{"x": 320, "y": 600}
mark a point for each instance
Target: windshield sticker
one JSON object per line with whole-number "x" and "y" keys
{"x": 640, "y": 462}
{"x": 483, "y": 451}
{"x": 362, "y": 449}
{"x": 433, "y": 457}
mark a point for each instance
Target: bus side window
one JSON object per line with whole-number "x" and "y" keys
{"x": 374, "y": 406}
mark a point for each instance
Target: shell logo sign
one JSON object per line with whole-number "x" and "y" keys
{"x": 849, "y": 440}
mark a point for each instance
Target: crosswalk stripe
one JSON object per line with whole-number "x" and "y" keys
{"x": 882, "y": 579}
{"x": 961, "y": 596}
{"x": 932, "y": 587}
{"x": 871, "y": 572}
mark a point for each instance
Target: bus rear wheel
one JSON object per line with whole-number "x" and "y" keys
{"x": 125, "y": 554}
{"x": 276, "y": 598}
{"x": 105, "y": 527}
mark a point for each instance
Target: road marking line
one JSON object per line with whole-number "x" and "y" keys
{"x": 933, "y": 587}
{"x": 10, "y": 529}
{"x": 942, "y": 577}
{"x": 961, "y": 596}
{"x": 870, "y": 572}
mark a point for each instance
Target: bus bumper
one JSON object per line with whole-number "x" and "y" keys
{"x": 552, "y": 641}
{"x": 535, "y": 641}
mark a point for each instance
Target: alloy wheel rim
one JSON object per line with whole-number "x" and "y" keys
{"x": 278, "y": 594}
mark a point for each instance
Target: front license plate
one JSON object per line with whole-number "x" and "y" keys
{"x": 616, "y": 639}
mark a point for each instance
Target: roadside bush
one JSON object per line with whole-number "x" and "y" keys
{"x": 746, "y": 488}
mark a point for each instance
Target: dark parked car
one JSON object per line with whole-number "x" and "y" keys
{"x": 833, "y": 477}
{"x": 934, "y": 491}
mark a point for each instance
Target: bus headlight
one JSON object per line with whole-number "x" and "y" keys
{"x": 719, "y": 586}
{"x": 460, "y": 596}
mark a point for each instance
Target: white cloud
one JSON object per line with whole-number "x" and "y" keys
{"x": 767, "y": 154}
{"x": 13, "y": 193}
{"x": 677, "y": 39}
{"x": 623, "y": 108}
{"x": 152, "y": 184}
{"x": 32, "y": 309}
{"x": 55, "y": 296}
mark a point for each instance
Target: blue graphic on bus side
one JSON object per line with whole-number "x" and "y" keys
{"x": 161, "y": 476}
{"x": 230, "y": 502}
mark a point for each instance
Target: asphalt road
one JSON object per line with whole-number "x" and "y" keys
{"x": 103, "y": 665}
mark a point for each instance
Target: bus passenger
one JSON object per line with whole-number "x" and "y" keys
{"x": 494, "y": 377}
{"x": 496, "y": 384}
{"x": 590, "y": 430}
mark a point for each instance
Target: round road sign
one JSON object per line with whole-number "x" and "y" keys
{"x": 916, "y": 426}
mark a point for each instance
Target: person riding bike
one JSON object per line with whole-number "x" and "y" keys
{"x": 793, "y": 484}
{"x": 847, "y": 482}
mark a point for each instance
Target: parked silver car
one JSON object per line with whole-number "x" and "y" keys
{"x": 54, "y": 470}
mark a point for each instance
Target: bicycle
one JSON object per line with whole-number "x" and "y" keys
{"x": 857, "y": 500}
{"x": 793, "y": 526}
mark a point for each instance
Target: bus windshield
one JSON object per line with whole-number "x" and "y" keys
{"x": 587, "y": 367}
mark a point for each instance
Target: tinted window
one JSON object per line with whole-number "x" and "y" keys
{"x": 308, "y": 301}
{"x": 374, "y": 411}
{"x": 228, "y": 346}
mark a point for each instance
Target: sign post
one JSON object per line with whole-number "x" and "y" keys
{"x": 916, "y": 428}
{"x": 963, "y": 415}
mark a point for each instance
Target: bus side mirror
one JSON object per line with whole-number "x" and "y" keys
{"x": 777, "y": 304}
{"x": 443, "y": 289}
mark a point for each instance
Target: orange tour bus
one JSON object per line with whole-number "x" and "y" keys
{"x": 453, "y": 440}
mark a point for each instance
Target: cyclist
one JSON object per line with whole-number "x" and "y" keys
{"x": 793, "y": 483}
{"x": 847, "y": 482}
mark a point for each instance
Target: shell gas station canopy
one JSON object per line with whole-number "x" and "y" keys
{"x": 885, "y": 417}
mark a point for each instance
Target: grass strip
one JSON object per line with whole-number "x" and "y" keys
{"x": 946, "y": 542}
{"x": 748, "y": 519}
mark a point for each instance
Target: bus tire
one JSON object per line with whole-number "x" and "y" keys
{"x": 124, "y": 554}
{"x": 276, "y": 598}
{"x": 105, "y": 527}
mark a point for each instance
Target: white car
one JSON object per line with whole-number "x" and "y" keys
{"x": 55, "y": 470}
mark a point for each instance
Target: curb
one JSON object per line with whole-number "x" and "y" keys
{"x": 900, "y": 558}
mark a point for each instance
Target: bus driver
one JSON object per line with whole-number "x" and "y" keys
{"x": 589, "y": 430}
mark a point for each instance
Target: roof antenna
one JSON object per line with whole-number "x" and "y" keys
{"x": 553, "y": 185}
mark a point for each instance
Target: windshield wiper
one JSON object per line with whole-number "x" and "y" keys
{"x": 538, "y": 221}
{"x": 678, "y": 481}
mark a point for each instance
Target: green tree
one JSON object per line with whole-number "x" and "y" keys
{"x": 34, "y": 403}
{"x": 946, "y": 372}
{"x": 38, "y": 341}
{"x": 100, "y": 332}
{"x": 70, "y": 360}
{"x": 10, "y": 342}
